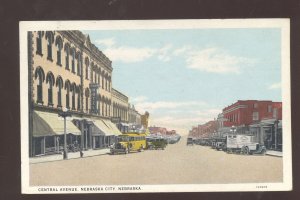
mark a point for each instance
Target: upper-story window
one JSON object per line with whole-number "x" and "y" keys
{"x": 255, "y": 105}
{"x": 255, "y": 116}
{"x": 67, "y": 51}
{"x": 39, "y": 43}
{"x": 73, "y": 60}
{"x": 78, "y": 64}
{"x": 50, "y": 40}
{"x": 275, "y": 113}
{"x": 67, "y": 88}
{"x": 269, "y": 108}
{"x": 59, "y": 45}
{"x": 39, "y": 73}
{"x": 59, "y": 85}
{"x": 87, "y": 68}
{"x": 50, "y": 81}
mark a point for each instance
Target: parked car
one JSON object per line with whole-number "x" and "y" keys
{"x": 190, "y": 141}
{"x": 156, "y": 143}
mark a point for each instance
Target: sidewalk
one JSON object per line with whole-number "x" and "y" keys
{"x": 274, "y": 153}
{"x": 71, "y": 155}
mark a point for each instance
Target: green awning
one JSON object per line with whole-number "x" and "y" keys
{"x": 40, "y": 127}
{"x": 55, "y": 123}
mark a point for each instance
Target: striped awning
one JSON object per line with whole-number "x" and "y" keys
{"x": 47, "y": 124}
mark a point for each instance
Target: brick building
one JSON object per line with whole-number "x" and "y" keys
{"x": 244, "y": 113}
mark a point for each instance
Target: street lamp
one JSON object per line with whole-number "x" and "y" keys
{"x": 65, "y": 113}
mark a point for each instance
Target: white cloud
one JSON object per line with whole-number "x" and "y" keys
{"x": 275, "y": 86}
{"x": 129, "y": 54}
{"x": 183, "y": 50}
{"x": 215, "y": 60}
{"x": 152, "y": 106}
{"x": 164, "y": 53}
{"x": 139, "y": 99}
{"x": 107, "y": 42}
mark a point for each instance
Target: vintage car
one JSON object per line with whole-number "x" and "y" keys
{"x": 129, "y": 142}
{"x": 156, "y": 143}
{"x": 254, "y": 148}
{"x": 190, "y": 141}
{"x": 220, "y": 145}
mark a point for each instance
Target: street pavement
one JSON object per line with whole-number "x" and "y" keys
{"x": 177, "y": 164}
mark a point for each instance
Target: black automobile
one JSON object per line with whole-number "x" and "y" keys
{"x": 190, "y": 141}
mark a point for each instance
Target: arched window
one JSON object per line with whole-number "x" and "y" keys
{"x": 60, "y": 85}
{"x": 92, "y": 69}
{"x": 78, "y": 63}
{"x": 78, "y": 97}
{"x": 106, "y": 80}
{"x": 59, "y": 44}
{"x": 73, "y": 53}
{"x": 73, "y": 90}
{"x": 39, "y": 73}
{"x": 103, "y": 77}
{"x": 67, "y": 88}
{"x": 50, "y": 39}
{"x": 67, "y": 50}
{"x": 87, "y": 68}
{"x": 50, "y": 80}
{"x": 39, "y": 42}
{"x": 103, "y": 106}
{"x": 87, "y": 95}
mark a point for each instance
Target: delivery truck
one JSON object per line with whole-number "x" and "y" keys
{"x": 244, "y": 144}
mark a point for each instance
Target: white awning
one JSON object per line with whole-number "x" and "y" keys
{"x": 113, "y": 127}
{"x": 57, "y": 124}
{"x": 105, "y": 129}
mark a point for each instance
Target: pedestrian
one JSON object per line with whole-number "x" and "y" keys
{"x": 81, "y": 153}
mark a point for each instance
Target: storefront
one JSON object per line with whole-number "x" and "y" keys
{"x": 104, "y": 133}
{"x": 269, "y": 133}
{"x": 48, "y": 133}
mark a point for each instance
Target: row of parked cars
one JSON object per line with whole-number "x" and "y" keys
{"x": 242, "y": 144}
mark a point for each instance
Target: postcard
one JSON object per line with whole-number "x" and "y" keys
{"x": 144, "y": 106}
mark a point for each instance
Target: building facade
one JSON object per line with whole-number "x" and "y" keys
{"x": 134, "y": 116}
{"x": 120, "y": 109}
{"x": 67, "y": 71}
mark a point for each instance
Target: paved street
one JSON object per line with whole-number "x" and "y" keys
{"x": 177, "y": 164}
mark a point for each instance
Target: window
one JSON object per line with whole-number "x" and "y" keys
{"x": 68, "y": 98}
{"x": 275, "y": 111}
{"x": 39, "y": 73}
{"x": 59, "y": 44}
{"x": 59, "y": 97}
{"x": 50, "y": 81}
{"x": 73, "y": 98}
{"x": 73, "y": 61}
{"x": 103, "y": 82}
{"x": 255, "y": 105}
{"x": 78, "y": 100}
{"x": 67, "y": 50}
{"x": 78, "y": 65}
{"x": 39, "y": 43}
{"x": 92, "y": 75}
{"x": 269, "y": 108}
{"x": 87, "y": 71}
{"x": 86, "y": 104}
{"x": 255, "y": 116}
{"x": 50, "y": 39}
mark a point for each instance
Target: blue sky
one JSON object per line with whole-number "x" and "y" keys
{"x": 186, "y": 77}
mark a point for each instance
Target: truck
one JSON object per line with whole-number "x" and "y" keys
{"x": 243, "y": 144}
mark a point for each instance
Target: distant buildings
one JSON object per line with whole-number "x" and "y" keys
{"x": 259, "y": 118}
{"x": 145, "y": 120}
